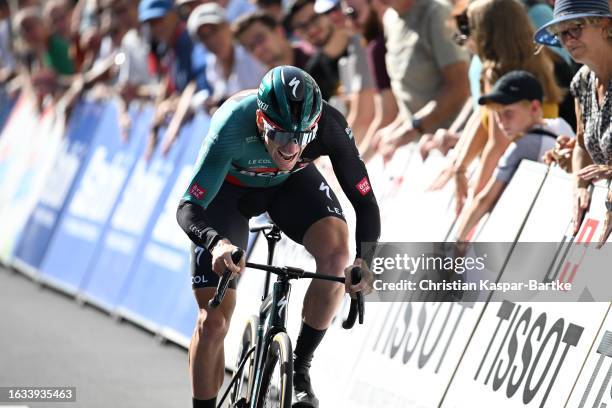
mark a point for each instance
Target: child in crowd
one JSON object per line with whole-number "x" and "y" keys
{"x": 516, "y": 101}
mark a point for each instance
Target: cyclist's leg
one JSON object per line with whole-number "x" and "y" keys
{"x": 307, "y": 210}
{"x": 206, "y": 353}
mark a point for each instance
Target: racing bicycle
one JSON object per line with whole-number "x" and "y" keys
{"x": 264, "y": 373}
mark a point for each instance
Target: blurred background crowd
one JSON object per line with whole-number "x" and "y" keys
{"x": 402, "y": 71}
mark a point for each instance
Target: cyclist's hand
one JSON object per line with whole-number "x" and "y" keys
{"x": 222, "y": 258}
{"x": 367, "y": 278}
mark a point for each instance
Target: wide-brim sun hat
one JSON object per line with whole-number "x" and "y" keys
{"x": 566, "y": 10}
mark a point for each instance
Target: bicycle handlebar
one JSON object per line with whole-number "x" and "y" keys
{"x": 225, "y": 280}
{"x": 357, "y": 303}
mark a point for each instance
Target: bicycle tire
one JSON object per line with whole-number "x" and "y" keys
{"x": 279, "y": 357}
{"x": 248, "y": 340}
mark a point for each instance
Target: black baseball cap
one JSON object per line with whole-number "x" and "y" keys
{"x": 513, "y": 87}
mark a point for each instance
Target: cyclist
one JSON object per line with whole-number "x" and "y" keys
{"x": 255, "y": 158}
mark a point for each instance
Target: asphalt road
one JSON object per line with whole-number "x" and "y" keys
{"x": 47, "y": 339}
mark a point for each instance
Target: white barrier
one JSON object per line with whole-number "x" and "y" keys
{"x": 593, "y": 388}
{"x": 551, "y": 340}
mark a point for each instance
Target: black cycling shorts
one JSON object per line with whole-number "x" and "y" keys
{"x": 294, "y": 206}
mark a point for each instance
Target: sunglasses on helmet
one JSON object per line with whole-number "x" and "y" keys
{"x": 283, "y": 137}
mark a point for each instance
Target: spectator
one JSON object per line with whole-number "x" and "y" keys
{"x": 47, "y": 49}
{"x": 264, "y": 37}
{"x": 501, "y": 35}
{"x": 516, "y": 102}
{"x": 428, "y": 71}
{"x": 340, "y": 58}
{"x": 366, "y": 17}
{"x": 229, "y": 67}
{"x": 57, "y": 15}
{"x": 176, "y": 61}
{"x": 234, "y": 8}
{"x": 584, "y": 29}
{"x": 272, "y": 7}
{"x": 331, "y": 43}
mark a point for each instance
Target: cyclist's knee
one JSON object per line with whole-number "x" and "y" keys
{"x": 333, "y": 260}
{"x": 212, "y": 326}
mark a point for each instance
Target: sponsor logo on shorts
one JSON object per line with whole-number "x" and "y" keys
{"x": 335, "y": 210}
{"x": 364, "y": 186}
{"x": 197, "y": 191}
{"x": 196, "y": 280}
{"x": 198, "y": 251}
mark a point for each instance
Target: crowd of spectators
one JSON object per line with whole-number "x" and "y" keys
{"x": 402, "y": 71}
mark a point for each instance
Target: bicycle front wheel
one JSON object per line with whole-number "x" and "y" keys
{"x": 244, "y": 383}
{"x": 277, "y": 377}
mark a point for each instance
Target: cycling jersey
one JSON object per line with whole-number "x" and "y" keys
{"x": 234, "y": 152}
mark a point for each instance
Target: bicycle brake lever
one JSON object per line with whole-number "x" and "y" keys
{"x": 357, "y": 304}
{"x": 224, "y": 281}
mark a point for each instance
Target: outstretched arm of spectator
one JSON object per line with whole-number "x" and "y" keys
{"x": 179, "y": 117}
{"x": 482, "y": 204}
{"x": 452, "y": 97}
{"x": 581, "y": 159}
{"x": 385, "y": 111}
{"x": 163, "y": 104}
{"x": 446, "y": 139}
{"x": 361, "y": 113}
{"x": 448, "y": 102}
{"x": 372, "y": 146}
{"x": 494, "y": 149}
{"x": 470, "y": 144}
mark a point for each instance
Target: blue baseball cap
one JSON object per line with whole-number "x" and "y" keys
{"x": 566, "y": 10}
{"x": 150, "y": 9}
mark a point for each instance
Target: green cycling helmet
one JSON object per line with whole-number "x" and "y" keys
{"x": 290, "y": 99}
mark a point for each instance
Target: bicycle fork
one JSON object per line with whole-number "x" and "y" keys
{"x": 274, "y": 308}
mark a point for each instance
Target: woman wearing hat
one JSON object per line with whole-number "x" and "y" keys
{"x": 584, "y": 29}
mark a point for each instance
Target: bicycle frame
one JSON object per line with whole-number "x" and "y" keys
{"x": 272, "y": 320}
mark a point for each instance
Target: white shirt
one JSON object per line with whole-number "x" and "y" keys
{"x": 246, "y": 73}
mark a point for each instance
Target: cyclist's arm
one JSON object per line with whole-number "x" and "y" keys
{"x": 218, "y": 150}
{"x": 353, "y": 177}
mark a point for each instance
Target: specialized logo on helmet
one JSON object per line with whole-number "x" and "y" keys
{"x": 294, "y": 83}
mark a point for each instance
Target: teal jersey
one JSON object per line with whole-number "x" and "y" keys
{"x": 234, "y": 152}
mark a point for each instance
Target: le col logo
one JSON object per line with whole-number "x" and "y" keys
{"x": 259, "y": 161}
{"x": 251, "y": 139}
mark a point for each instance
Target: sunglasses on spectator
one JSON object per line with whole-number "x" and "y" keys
{"x": 307, "y": 24}
{"x": 283, "y": 137}
{"x": 574, "y": 32}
